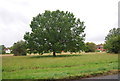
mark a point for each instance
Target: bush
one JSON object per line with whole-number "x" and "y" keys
{"x": 2, "y": 49}
{"x": 90, "y": 47}
{"x": 19, "y": 48}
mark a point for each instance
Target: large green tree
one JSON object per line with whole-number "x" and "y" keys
{"x": 19, "y": 48}
{"x": 55, "y": 31}
{"x": 112, "y": 41}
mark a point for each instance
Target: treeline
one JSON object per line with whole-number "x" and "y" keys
{"x": 57, "y": 31}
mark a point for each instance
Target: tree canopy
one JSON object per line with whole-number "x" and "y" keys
{"x": 112, "y": 43}
{"x": 55, "y": 31}
{"x": 113, "y": 33}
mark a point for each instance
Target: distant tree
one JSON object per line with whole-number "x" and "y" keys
{"x": 112, "y": 41}
{"x": 90, "y": 47}
{"x": 55, "y": 31}
{"x": 2, "y": 49}
{"x": 19, "y": 48}
{"x": 112, "y": 33}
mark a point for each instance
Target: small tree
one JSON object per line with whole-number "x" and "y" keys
{"x": 90, "y": 47}
{"x": 112, "y": 43}
{"x": 2, "y": 49}
{"x": 19, "y": 48}
{"x": 55, "y": 31}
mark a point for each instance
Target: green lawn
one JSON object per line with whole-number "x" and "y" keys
{"x": 62, "y": 66}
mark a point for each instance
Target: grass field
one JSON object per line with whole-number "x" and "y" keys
{"x": 62, "y": 66}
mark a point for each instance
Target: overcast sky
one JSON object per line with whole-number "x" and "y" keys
{"x": 15, "y": 16}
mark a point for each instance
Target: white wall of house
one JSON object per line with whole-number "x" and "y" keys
{"x": 8, "y": 51}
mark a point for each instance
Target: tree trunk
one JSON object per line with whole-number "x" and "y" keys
{"x": 54, "y": 54}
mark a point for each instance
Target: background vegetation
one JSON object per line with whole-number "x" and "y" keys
{"x": 19, "y": 48}
{"x": 112, "y": 43}
{"x": 90, "y": 47}
{"x": 2, "y": 51}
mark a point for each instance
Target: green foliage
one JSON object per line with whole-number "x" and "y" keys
{"x": 2, "y": 49}
{"x": 19, "y": 48}
{"x": 62, "y": 66}
{"x": 55, "y": 31}
{"x": 112, "y": 33}
{"x": 90, "y": 47}
{"x": 112, "y": 43}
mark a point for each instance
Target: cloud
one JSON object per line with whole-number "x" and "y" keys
{"x": 13, "y": 26}
{"x": 8, "y": 17}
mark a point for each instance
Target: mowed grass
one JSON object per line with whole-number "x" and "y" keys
{"x": 62, "y": 66}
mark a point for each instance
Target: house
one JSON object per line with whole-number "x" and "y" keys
{"x": 7, "y": 50}
{"x": 100, "y": 48}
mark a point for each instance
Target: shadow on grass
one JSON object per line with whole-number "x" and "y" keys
{"x": 51, "y": 56}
